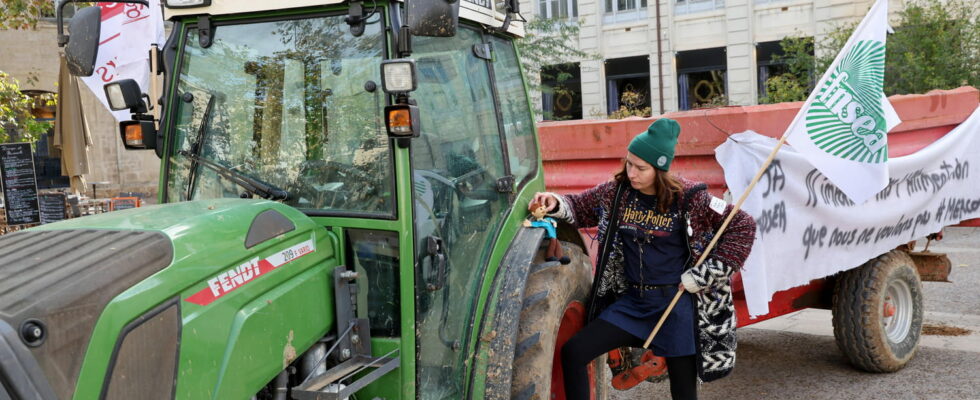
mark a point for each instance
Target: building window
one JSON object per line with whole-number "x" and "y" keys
{"x": 624, "y": 10}
{"x": 558, "y": 9}
{"x": 693, "y": 6}
{"x": 628, "y": 84}
{"x": 702, "y": 78}
{"x": 561, "y": 92}
{"x": 771, "y": 62}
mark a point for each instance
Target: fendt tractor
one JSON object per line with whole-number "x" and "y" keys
{"x": 342, "y": 186}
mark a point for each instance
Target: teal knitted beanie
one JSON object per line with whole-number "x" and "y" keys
{"x": 656, "y": 144}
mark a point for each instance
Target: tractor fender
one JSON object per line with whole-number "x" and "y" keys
{"x": 498, "y": 334}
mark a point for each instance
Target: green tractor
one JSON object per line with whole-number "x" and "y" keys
{"x": 342, "y": 187}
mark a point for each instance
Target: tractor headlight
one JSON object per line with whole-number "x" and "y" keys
{"x": 398, "y": 76}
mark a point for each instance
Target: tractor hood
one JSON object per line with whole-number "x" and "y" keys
{"x": 57, "y": 281}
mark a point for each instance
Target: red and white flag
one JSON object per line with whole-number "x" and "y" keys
{"x": 128, "y": 30}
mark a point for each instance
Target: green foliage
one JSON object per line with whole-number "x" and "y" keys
{"x": 24, "y": 14}
{"x": 15, "y": 112}
{"x": 631, "y": 105}
{"x": 549, "y": 42}
{"x": 936, "y": 45}
{"x": 797, "y": 81}
{"x": 547, "y": 50}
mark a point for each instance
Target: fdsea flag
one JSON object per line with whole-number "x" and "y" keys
{"x": 842, "y": 128}
{"x": 128, "y": 30}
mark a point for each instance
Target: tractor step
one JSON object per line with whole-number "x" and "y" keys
{"x": 323, "y": 387}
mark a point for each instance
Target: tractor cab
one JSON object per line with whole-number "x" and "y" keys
{"x": 401, "y": 129}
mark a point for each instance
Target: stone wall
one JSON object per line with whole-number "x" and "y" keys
{"x": 36, "y": 51}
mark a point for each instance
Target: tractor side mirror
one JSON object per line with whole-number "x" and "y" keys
{"x": 432, "y": 18}
{"x": 139, "y": 133}
{"x": 83, "y": 43}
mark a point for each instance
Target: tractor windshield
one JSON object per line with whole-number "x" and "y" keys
{"x": 293, "y": 103}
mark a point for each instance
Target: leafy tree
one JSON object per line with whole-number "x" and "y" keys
{"x": 547, "y": 49}
{"x": 936, "y": 45}
{"x": 15, "y": 106}
{"x": 15, "y": 112}
{"x": 24, "y": 14}
{"x": 798, "y": 79}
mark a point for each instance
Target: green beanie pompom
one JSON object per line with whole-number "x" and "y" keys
{"x": 656, "y": 144}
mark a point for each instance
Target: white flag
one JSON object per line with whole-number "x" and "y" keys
{"x": 128, "y": 30}
{"x": 842, "y": 128}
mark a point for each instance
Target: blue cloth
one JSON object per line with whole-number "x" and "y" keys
{"x": 548, "y": 227}
{"x": 638, "y": 314}
{"x": 660, "y": 239}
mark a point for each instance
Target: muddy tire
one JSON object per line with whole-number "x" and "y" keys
{"x": 877, "y": 313}
{"x": 553, "y": 309}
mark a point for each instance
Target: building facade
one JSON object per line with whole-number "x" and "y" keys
{"x": 708, "y": 52}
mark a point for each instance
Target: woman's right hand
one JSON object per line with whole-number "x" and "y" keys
{"x": 549, "y": 201}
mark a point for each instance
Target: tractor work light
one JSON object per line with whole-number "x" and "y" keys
{"x": 398, "y": 76}
{"x": 402, "y": 120}
{"x": 187, "y": 3}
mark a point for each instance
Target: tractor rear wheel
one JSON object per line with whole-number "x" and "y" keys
{"x": 552, "y": 312}
{"x": 877, "y": 312}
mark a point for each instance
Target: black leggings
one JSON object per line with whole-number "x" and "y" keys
{"x": 600, "y": 337}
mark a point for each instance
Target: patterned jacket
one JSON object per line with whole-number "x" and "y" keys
{"x": 704, "y": 214}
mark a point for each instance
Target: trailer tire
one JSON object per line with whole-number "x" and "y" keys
{"x": 553, "y": 310}
{"x": 877, "y": 312}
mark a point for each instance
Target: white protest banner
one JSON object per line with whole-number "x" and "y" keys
{"x": 842, "y": 128}
{"x": 128, "y": 30}
{"x": 807, "y": 228}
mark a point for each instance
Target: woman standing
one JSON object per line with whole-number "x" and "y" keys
{"x": 652, "y": 228}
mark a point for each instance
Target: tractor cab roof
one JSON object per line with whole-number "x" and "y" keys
{"x": 485, "y": 12}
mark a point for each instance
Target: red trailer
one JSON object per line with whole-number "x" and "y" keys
{"x": 580, "y": 154}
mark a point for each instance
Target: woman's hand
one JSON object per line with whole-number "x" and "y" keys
{"x": 549, "y": 201}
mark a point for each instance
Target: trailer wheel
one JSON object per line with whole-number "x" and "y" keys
{"x": 552, "y": 312}
{"x": 877, "y": 312}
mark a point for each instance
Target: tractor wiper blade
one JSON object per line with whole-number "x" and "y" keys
{"x": 252, "y": 185}
{"x": 198, "y": 144}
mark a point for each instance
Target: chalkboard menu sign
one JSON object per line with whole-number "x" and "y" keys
{"x": 19, "y": 184}
{"x": 52, "y": 207}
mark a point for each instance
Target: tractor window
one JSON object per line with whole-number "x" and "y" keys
{"x": 295, "y": 104}
{"x": 374, "y": 255}
{"x": 515, "y": 110}
{"x": 456, "y": 160}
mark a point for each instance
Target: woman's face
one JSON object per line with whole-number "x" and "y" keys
{"x": 641, "y": 173}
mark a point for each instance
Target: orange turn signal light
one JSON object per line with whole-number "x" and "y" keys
{"x": 402, "y": 120}
{"x": 134, "y": 135}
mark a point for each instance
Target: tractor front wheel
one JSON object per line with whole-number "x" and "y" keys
{"x": 552, "y": 312}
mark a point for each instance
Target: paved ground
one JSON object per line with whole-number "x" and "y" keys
{"x": 795, "y": 356}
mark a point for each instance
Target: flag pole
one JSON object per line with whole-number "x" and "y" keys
{"x": 728, "y": 219}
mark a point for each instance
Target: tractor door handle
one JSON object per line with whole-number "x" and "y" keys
{"x": 436, "y": 253}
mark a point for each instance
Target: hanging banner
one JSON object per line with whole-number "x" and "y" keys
{"x": 128, "y": 30}
{"x": 807, "y": 228}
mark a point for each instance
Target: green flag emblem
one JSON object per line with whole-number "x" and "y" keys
{"x": 846, "y": 119}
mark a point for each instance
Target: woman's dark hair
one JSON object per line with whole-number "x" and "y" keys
{"x": 666, "y": 187}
